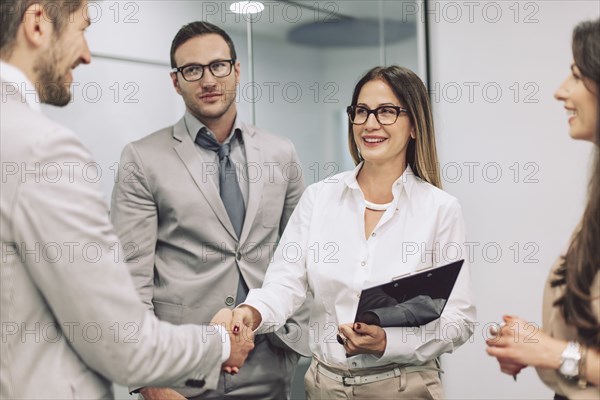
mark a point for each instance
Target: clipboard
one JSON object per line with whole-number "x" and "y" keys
{"x": 409, "y": 300}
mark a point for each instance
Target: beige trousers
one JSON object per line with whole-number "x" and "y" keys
{"x": 415, "y": 385}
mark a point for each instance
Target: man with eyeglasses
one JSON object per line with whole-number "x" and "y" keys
{"x": 206, "y": 201}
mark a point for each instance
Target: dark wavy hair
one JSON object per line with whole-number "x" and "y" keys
{"x": 581, "y": 263}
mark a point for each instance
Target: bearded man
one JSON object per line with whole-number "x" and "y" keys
{"x": 72, "y": 322}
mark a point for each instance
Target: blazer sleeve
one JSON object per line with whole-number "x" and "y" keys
{"x": 86, "y": 283}
{"x": 134, "y": 216}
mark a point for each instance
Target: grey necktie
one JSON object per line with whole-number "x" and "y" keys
{"x": 230, "y": 191}
{"x": 229, "y": 188}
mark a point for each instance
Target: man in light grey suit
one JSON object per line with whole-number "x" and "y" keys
{"x": 71, "y": 319}
{"x": 206, "y": 200}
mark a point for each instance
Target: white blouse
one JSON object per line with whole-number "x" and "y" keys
{"x": 324, "y": 249}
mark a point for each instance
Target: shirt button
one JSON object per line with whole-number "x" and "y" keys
{"x": 373, "y": 234}
{"x": 363, "y": 263}
{"x": 238, "y": 256}
{"x": 354, "y": 364}
{"x": 358, "y": 295}
{"x": 229, "y": 300}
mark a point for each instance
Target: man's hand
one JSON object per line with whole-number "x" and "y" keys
{"x": 361, "y": 338}
{"x": 160, "y": 394}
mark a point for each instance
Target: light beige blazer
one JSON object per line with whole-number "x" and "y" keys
{"x": 71, "y": 319}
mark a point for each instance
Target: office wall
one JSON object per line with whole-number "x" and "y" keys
{"x": 506, "y": 154}
{"x": 286, "y": 78}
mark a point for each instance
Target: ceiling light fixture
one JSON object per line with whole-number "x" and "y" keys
{"x": 247, "y": 7}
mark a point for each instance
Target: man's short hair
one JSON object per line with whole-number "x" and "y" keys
{"x": 13, "y": 11}
{"x": 199, "y": 28}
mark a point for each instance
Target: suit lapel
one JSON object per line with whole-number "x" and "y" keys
{"x": 255, "y": 184}
{"x": 186, "y": 149}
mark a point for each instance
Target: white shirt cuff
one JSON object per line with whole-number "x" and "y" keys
{"x": 226, "y": 349}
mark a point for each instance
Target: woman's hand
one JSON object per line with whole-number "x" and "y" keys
{"x": 361, "y": 338}
{"x": 519, "y": 344}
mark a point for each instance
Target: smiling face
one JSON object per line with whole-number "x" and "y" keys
{"x": 209, "y": 98}
{"x": 65, "y": 52}
{"x": 378, "y": 143}
{"x": 581, "y": 102}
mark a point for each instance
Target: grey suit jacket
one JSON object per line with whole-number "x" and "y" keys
{"x": 185, "y": 255}
{"x": 70, "y": 315}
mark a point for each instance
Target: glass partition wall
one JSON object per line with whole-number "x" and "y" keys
{"x": 304, "y": 58}
{"x": 299, "y": 62}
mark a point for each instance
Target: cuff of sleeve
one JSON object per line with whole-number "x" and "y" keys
{"x": 226, "y": 348}
{"x": 401, "y": 345}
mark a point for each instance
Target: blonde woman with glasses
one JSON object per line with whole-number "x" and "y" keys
{"x": 361, "y": 228}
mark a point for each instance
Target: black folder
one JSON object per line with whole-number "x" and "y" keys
{"x": 409, "y": 300}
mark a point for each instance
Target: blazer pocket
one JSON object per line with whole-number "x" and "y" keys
{"x": 172, "y": 313}
{"x": 273, "y": 201}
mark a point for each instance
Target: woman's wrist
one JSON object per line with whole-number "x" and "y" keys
{"x": 252, "y": 315}
{"x": 551, "y": 353}
{"x": 383, "y": 344}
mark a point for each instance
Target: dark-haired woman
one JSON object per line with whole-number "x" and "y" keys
{"x": 566, "y": 352}
{"x": 362, "y": 228}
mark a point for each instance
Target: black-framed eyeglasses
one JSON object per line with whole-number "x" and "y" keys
{"x": 385, "y": 115}
{"x": 195, "y": 72}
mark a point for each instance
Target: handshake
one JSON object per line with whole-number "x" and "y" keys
{"x": 240, "y": 324}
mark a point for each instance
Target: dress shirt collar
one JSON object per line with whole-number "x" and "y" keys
{"x": 406, "y": 180}
{"x": 12, "y": 75}
{"x": 194, "y": 125}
